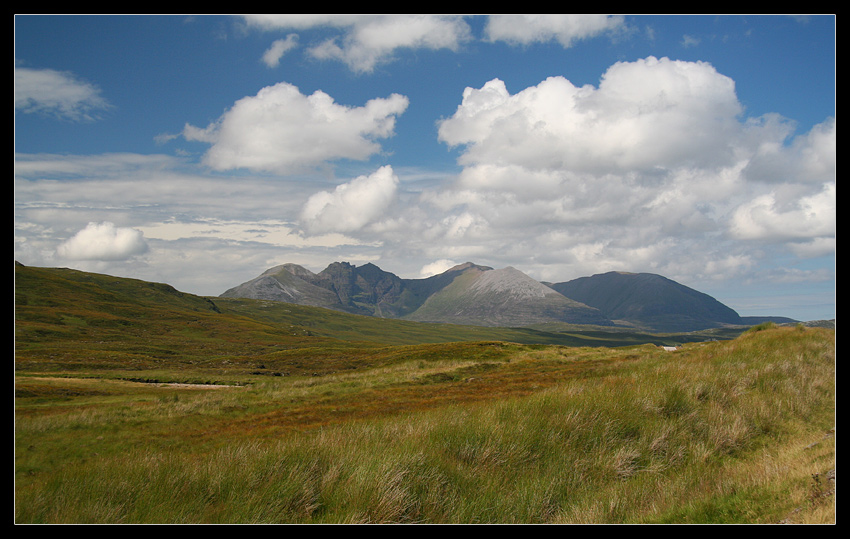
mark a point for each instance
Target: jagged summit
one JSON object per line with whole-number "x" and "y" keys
{"x": 472, "y": 294}
{"x": 467, "y": 293}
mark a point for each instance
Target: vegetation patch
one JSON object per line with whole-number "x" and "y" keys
{"x": 363, "y": 431}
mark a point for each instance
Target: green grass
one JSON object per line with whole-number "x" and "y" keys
{"x": 317, "y": 428}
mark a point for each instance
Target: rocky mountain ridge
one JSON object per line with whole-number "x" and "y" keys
{"x": 471, "y": 294}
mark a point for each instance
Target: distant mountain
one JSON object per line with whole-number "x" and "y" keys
{"x": 649, "y": 301}
{"x": 366, "y": 290}
{"x": 480, "y": 295}
{"x": 289, "y": 283}
{"x": 465, "y": 294}
{"x": 502, "y": 297}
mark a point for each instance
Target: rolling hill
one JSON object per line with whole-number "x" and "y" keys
{"x": 74, "y": 318}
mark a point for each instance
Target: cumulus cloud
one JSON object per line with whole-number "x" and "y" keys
{"x": 565, "y": 29}
{"x": 103, "y": 241}
{"x": 368, "y": 41}
{"x": 765, "y": 218}
{"x": 56, "y": 93}
{"x": 557, "y": 179}
{"x": 352, "y": 205}
{"x": 278, "y": 48}
{"x": 809, "y": 158}
{"x": 633, "y": 121}
{"x": 655, "y": 161}
{"x": 284, "y": 131}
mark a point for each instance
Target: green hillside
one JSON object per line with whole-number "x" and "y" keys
{"x": 137, "y": 403}
{"x": 67, "y": 317}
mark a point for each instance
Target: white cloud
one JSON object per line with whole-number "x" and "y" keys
{"x": 765, "y": 218}
{"x": 816, "y": 151}
{"x": 565, "y": 29}
{"x": 690, "y": 41}
{"x": 436, "y": 267}
{"x": 368, "y": 40}
{"x": 654, "y": 162}
{"x": 633, "y": 121}
{"x": 88, "y": 166}
{"x": 352, "y": 205}
{"x": 219, "y": 231}
{"x": 269, "y": 232}
{"x": 813, "y": 248}
{"x": 56, "y": 93}
{"x": 278, "y": 48}
{"x": 103, "y": 241}
{"x": 810, "y": 157}
{"x": 557, "y": 180}
{"x": 283, "y": 131}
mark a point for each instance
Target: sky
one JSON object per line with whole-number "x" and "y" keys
{"x": 202, "y": 150}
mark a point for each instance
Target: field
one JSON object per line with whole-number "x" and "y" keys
{"x": 135, "y": 403}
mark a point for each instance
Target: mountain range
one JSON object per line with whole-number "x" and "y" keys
{"x": 480, "y": 295}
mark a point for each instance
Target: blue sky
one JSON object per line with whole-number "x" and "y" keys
{"x": 202, "y": 150}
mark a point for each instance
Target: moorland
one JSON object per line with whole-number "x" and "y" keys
{"x": 138, "y": 403}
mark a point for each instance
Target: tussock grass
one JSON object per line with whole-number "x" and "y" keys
{"x": 721, "y": 432}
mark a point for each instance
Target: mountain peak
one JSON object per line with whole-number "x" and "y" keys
{"x": 472, "y": 294}
{"x": 511, "y": 281}
{"x": 649, "y": 300}
{"x": 468, "y": 265}
{"x": 501, "y": 297}
{"x": 293, "y": 269}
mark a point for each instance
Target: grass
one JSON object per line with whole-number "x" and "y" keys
{"x": 316, "y": 429}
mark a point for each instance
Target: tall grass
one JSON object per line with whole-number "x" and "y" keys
{"x": 715, "y": 432}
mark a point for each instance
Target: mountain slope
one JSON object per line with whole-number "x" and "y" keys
{"x": 80, "y": 320}
{"x": 366, "y": 290}
{"x": 649, "y": 301}
{"x": 503, "y": 297}
{"x": 77, "y": 320}
{"x": 51, "y": 290}
{"x": 289, "y": 283}
{"x": 480, "y": 295}
{"x": 465, "y": 294}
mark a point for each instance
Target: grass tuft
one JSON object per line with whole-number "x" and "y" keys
{"x": 733, "y": 431}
